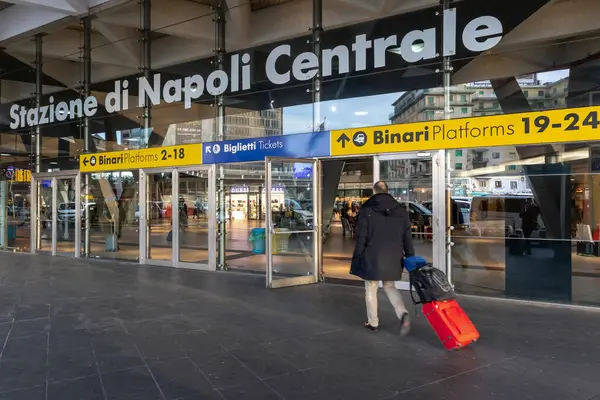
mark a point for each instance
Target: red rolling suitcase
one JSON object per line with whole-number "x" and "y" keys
{"x": 450, "y": 323}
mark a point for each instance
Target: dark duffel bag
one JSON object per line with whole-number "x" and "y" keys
{"x": 431, "y": 284}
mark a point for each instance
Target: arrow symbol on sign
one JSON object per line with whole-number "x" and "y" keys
{"x": 207, "y": 149}
{"x": 85, "y": 161}
{"x": 343, "y": 139}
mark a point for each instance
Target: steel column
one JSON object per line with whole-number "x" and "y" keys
{"x": 446, "y": 186}
{"x": 316, "y": 29}
{"x": 38, "y": 134}
{"x": 220, "y": 50}
{"x": 147, "y": 61}
{"x": 87, "y": 81}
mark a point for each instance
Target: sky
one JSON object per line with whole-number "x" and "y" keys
{"x": 361, "y": 111}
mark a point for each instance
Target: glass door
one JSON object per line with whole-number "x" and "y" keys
{"x": 67, "y": 208}
{"x": 56, "y": 207}
{"x": 196, "y": 244}
{"x": 414, "y": 180}
{"x": 162, "y": 214}
{"x": 292, "y": 222}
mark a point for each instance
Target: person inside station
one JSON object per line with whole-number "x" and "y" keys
{"x": 529, "y": 223}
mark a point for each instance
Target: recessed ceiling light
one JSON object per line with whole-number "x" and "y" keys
{"x": 333, "y": 108}
{"x": 360, "y": 113}
{"x": 53, "y": 162}
{"x": 4, "y": 154}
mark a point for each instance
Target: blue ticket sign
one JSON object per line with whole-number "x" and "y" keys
{"x": 303, "y": 145}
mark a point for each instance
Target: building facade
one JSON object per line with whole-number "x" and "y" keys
{"x": 85, "y": 86}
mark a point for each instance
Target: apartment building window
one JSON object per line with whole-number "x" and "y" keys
{"x": 512, "y": 155}
{"x": 496, "y": 156}
{"x": 481, "y": 92}
{"x": 526, "y": 93}
{"x": 458, "y": 166}
{"x": 541, "y": 93}
{"x": 464, "y": 110}
{"x": 495, "y": 105}
{"x": 512, "y": 167}
{"x": 513, "y": 185}
{"x": 498, "y": 184}
{"x": 463, "y": 97}
{"x": 554, "y": 90}
{"x": 458, "y": 153}
{"x": 429, "y": 115}
{"x": 430, "y": 101}
{"x": 451, "y": 97}
{"x": 483, "y": 184}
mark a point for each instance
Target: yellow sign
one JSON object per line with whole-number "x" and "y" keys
{"x": 553, "y": 126}
{"x": 156, "y": 157}
{"x": 18, "y": 175}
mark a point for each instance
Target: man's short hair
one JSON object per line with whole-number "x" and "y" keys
{"x": 380, "y": 187}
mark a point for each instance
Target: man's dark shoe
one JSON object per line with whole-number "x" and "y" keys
{"x": 371, "y": 328}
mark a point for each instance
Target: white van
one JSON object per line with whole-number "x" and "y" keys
{"x": 499, "y": 216}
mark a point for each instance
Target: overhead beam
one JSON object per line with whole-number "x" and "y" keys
{"x": 63, "y": 6}
{"x": 65, "y": 45}
{"x": 122, "y": 38}
{"x": 239, "y": 20}
{"x": 517, "y": 63}
{"x": 180, "y": 18}
{"x": 18, "y": 20}
{"x": 173, "y": 50}
{"x": 558, "y": 19}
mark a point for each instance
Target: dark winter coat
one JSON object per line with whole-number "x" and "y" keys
{"x": 383, "y": 239}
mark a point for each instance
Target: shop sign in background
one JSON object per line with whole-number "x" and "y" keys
{"x": 554, "y": 126}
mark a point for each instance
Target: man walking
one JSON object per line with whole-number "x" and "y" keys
{"x": 383, "y": 239}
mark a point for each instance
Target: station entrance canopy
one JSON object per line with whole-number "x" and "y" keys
{"x": 554, "y": 126}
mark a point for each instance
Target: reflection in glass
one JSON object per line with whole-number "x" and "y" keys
{"x": 193, "y": 232}
{"x": 66, "y": 216}
{"x": 160, "y": 207}
{"x": 410, "y": 182}
{"x": 114, "y": 215}
{"x": 291, "y": 206}
{"x": 46, "y": 207}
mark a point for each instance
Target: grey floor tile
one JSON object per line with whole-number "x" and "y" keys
{"x": 129, "y": 383}
{"x": 33, "y": 311}
{"x": 223, "y": 370}
{"x": 34, "y": 393}
{"x": 71, "y": 363}
{"x": 30, "y": 328}
{"x": 180, "y": 378}
{"x": 17, "y": 374}
{"x": 89, "y": 388}
{"x": 256, "y": 390}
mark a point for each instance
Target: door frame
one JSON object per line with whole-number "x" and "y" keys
{"x": 439, "y": 203}
{"x": 269, "y": 231}
{"x": 35, "y": 218}
{"x": 144, "y": 232}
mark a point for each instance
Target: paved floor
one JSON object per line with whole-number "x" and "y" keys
{"x": 77, "y": 329}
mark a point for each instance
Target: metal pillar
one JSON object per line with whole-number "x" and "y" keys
{"x": 38, "y": 136}
{"x": 87, "y": 81}
{"x": 147, "y": 61}
{"x": 220, "y": 49}
{"x": 447, "y": 71}
{"x": 316, "y": 29}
